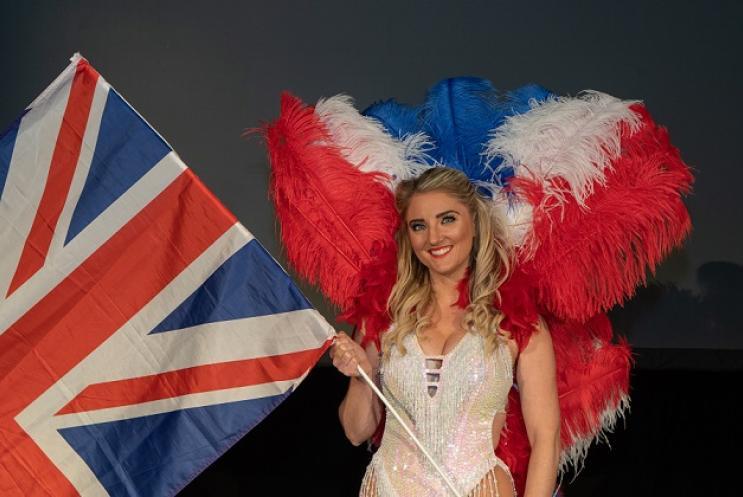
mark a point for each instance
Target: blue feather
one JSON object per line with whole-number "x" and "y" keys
{"x": 518, "y": 100}
{"x": 399, "y": 119}
{"x": 459, "y": 115}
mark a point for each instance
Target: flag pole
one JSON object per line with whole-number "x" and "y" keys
{"x": 392, "y": 410}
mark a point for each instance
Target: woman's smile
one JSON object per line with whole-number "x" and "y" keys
{"x": 439, "y": 252}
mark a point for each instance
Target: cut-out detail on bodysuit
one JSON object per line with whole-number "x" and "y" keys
{"x": 455, "y": 422}
{"x": 433, "y": 365}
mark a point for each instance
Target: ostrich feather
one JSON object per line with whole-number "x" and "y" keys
{"x": 365, "y": 143}
{"x": 515, "y": 213}
{"x": 592, "y": 384}
{"x": 457, "y": 115}
{"x": 570, "y": 138}
{"x": 398, "y": 119}
{"x": 592, "y": 256}
{"x": 337, "y": 222}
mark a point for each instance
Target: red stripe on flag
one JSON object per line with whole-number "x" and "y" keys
{"x": 87, "y": 307}
{"x": 197, "y": 379}
{"x": 61, "y": 170}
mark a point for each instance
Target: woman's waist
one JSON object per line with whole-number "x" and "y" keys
{"x": 404, "y": 466}
{"x": 457, "y": 445}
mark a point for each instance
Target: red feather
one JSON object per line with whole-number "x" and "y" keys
{"x": 592, "y": 387}
{"x": 592, "y": 382}
{"x": 591, "y": 258}
{"x": 337, "y": 222}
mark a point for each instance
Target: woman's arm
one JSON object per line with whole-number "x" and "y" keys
{"x": 537, "y": 383}
{"x": 361, "y": 410}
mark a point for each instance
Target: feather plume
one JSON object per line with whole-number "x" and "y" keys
{"x": 592, "y": 384}
{"x": 570, "y": 138}
{"x": 365, "y": 143}
{"x": 457, "y": 116}
{"x": 337, "y": 222}
{"x": 592, "y": 256}
{"x": 513, "y": 211}
{"x": 398, "y": 119}
{"x": 458, "y": 113}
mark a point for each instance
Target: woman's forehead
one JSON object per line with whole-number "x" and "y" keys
{"x": 430, "y": 204}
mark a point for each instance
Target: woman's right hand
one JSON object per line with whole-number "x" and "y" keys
{"x": 347, "y": 355}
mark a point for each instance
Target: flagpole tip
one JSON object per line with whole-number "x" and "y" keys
{"x": 76, "y": 57}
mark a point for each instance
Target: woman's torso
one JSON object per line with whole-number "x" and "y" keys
{"x": 454, "y": 420}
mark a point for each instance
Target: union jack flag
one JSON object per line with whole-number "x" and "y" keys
{"x": 143, "y": 330}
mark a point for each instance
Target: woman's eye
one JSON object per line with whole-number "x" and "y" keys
{"x": 417, "y": 226}
{"x": 448, "y": 219}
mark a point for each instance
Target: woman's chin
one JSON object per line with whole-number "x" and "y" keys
{"x": 448, "y": 270}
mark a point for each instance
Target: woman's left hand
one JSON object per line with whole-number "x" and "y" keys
{"x": 347, "y": 355}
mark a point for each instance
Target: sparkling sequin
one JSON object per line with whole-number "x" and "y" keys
{"x": 453, "y": 420}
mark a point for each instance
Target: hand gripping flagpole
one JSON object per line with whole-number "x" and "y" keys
{"x": 391, "y": 409}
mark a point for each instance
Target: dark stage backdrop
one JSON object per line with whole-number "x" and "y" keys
{"x": 203, "y": 72}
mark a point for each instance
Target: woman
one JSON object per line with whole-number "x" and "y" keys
{"x": 446, "y": 367}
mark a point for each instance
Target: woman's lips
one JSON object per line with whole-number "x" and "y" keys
{"x": 439, "y": 252}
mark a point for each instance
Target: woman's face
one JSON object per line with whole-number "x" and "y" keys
{"x": 441, "y": 231}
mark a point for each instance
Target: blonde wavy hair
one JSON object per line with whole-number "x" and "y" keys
{"x": 490, "y": 263}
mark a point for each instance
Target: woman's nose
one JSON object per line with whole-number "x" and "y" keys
{"x": 434, "y": 235}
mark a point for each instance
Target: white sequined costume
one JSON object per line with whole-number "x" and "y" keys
{"x": 451, "y": 409}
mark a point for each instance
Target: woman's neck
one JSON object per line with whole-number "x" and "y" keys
{"x": 445, "y": 290}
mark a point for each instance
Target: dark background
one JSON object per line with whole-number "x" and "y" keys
{"x": 201, "y": 73}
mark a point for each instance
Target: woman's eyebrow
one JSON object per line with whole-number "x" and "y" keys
{"x": 446, "y": 212}
{"x": 442, "y": 214}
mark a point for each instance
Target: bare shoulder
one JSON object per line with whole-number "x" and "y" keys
{"x": 537, "y": 358}
{"x": 540, "y": 340}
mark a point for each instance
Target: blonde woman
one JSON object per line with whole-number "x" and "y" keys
{"x": 448, "y": 368}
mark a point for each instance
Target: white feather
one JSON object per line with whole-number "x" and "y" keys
{"x": 517, "y": 215}
{"x": 365, "y": 143}
{"x": 572, "y": 138}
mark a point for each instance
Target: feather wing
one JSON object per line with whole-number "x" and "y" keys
{"x": 589, "y": 251}
{"x": 605, "y": 188}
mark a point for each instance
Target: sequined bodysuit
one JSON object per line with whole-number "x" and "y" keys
{"x": 451, "y": 409}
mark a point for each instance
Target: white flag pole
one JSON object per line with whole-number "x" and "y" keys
{"x": 392, "y": 410}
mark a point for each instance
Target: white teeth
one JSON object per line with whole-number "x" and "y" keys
{"x": 441, "y": 251}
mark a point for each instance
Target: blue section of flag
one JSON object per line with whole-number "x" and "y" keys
{"x": 126, "y": 149}
{"x": 159, "y": 454}
{"x": 248, "y": 284}
{"x": 7, "y": 143}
